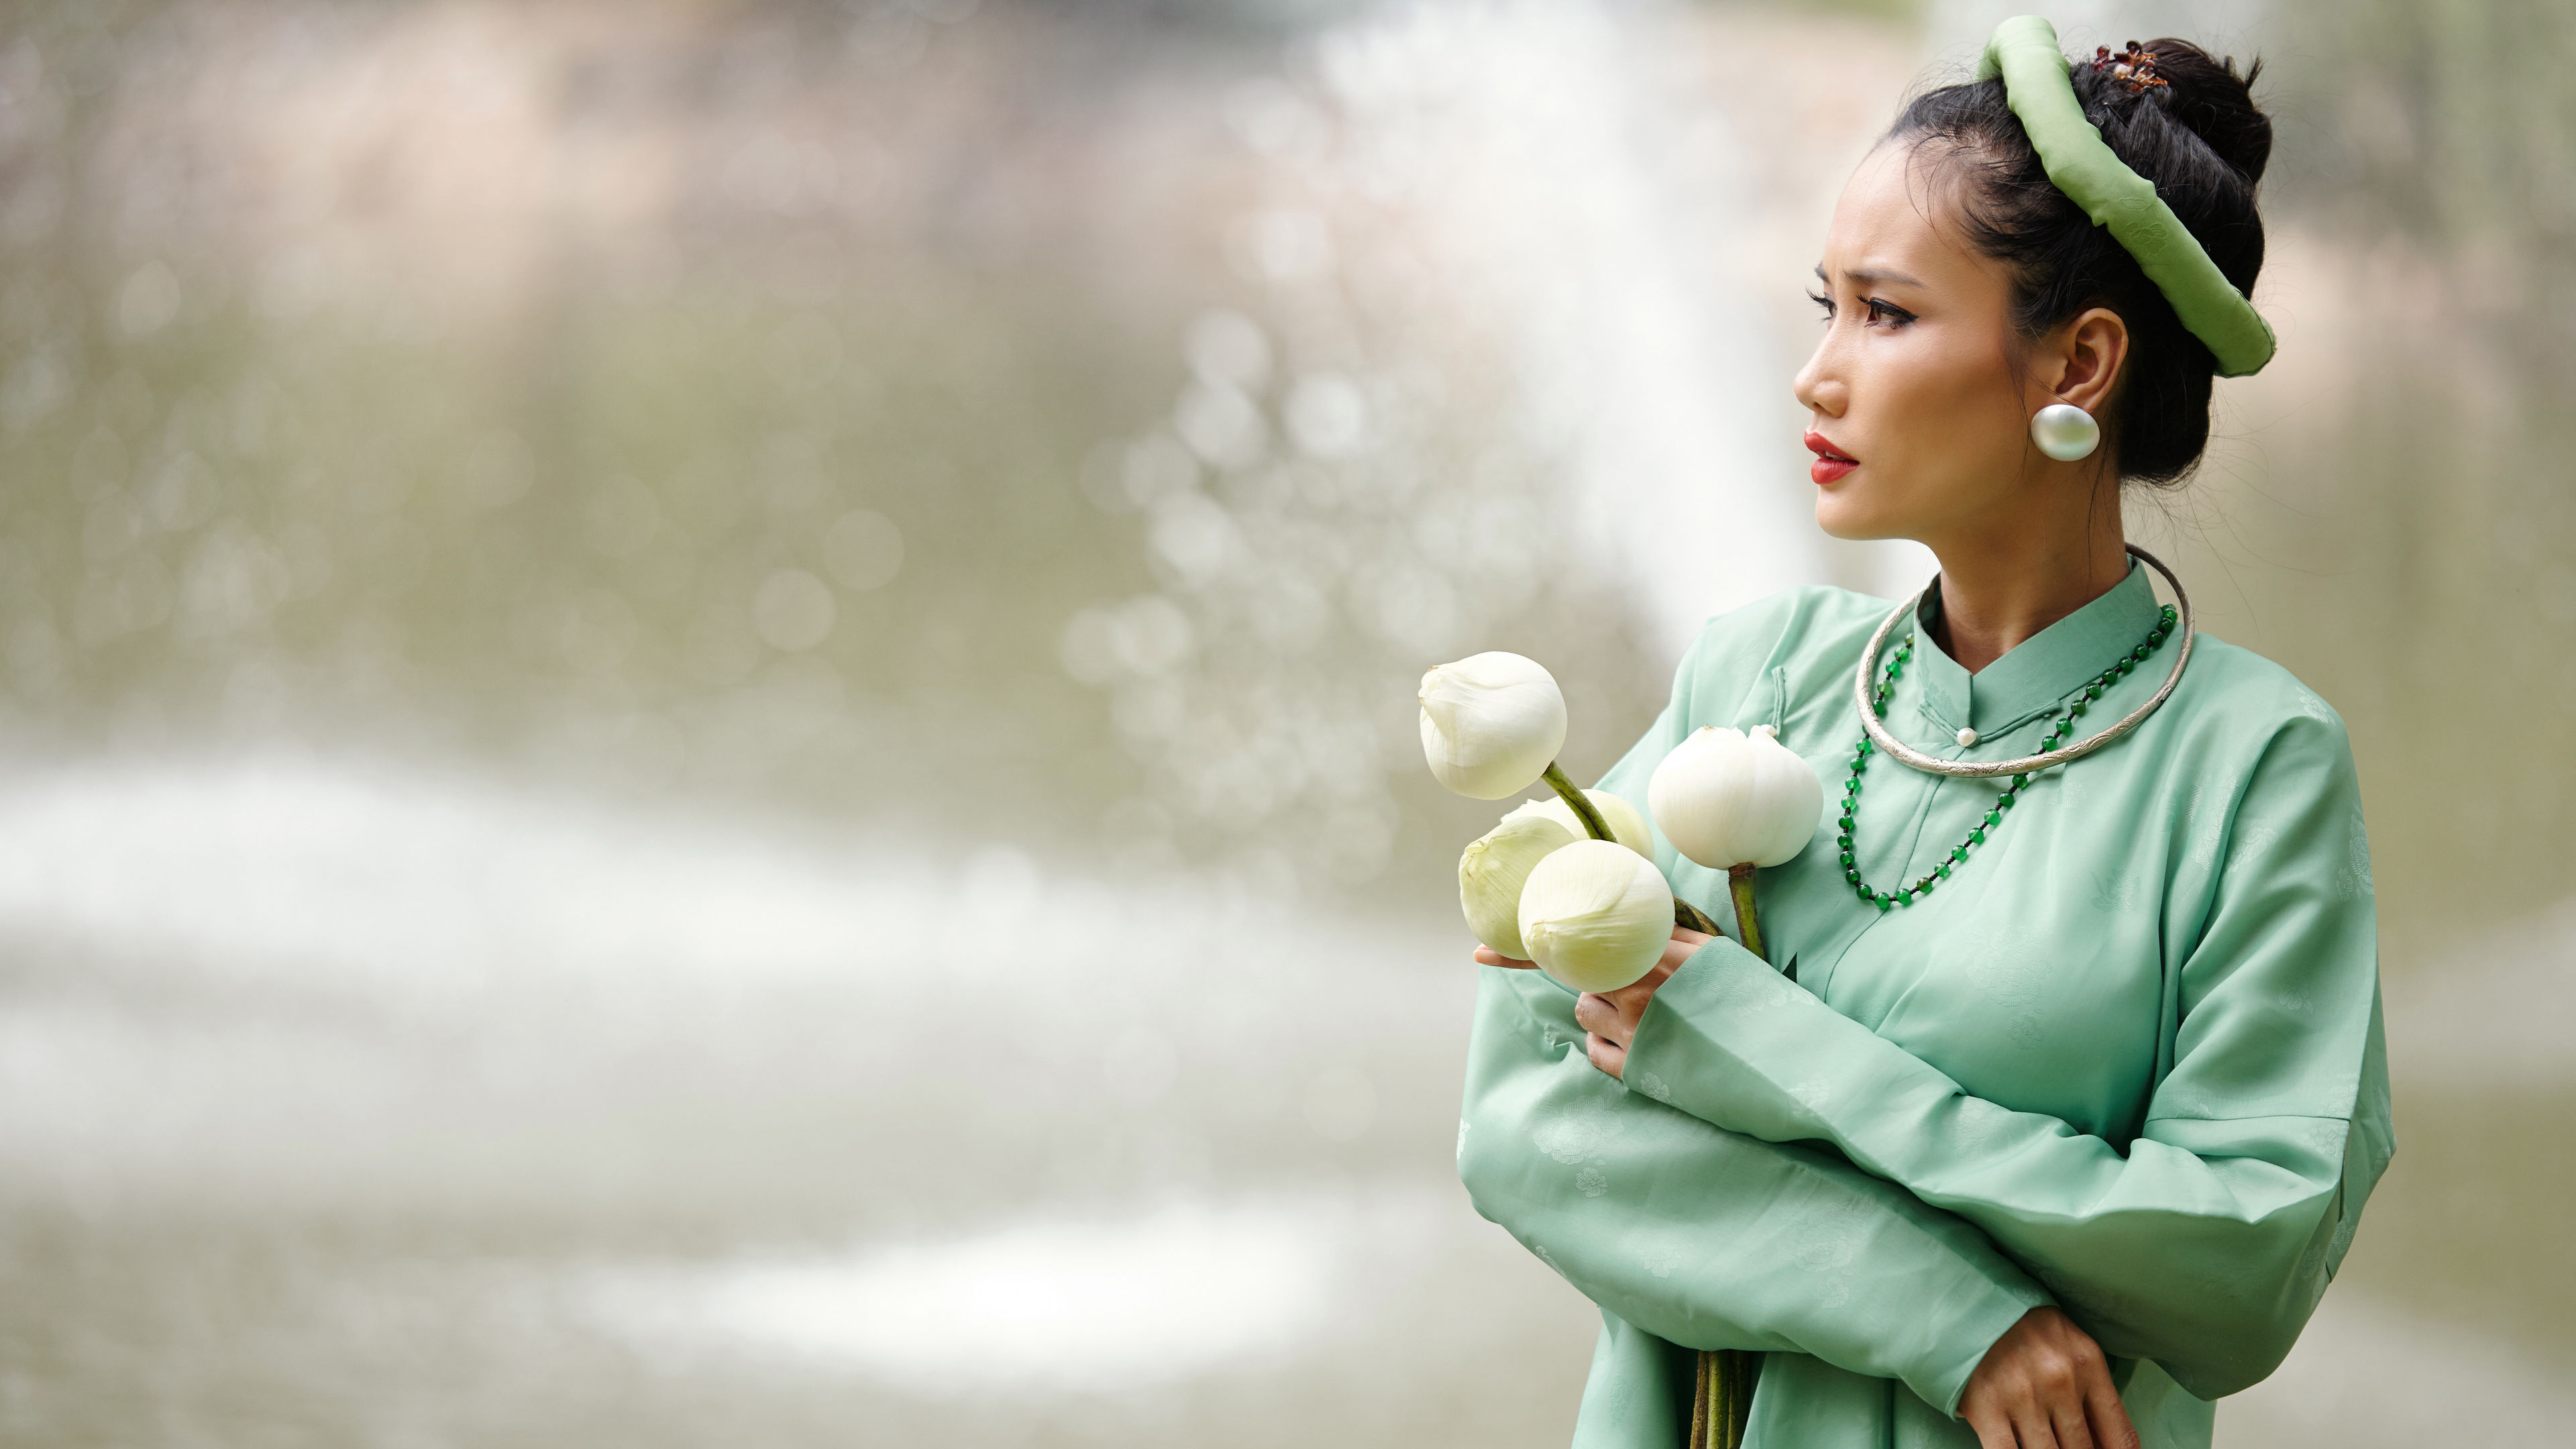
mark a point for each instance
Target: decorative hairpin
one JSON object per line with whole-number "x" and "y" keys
{"x": 2133, "y": 67}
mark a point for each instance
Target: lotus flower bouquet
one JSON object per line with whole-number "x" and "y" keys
{"x": 1568, "y": 883}
{"x": 1571, "y": 883}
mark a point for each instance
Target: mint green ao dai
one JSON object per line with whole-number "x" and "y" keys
{"x": 2127, "y": 1060}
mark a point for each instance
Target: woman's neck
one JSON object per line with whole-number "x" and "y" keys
{"x": 1999, "y": 592}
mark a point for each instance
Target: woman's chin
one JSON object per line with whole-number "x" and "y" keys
{"x": 1841, "y": 513}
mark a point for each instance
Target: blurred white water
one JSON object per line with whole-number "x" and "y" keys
{"x": 1047, "y": 1305}
{"x": 1574, "y": 183}
{"x": 288, "y": 963}
{"x": 947, "y": 1119}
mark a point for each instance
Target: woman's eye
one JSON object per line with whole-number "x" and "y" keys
{"x": 1887, "y": 312}
{"x": 1821, "y": 300}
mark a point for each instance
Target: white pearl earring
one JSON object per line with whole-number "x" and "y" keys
{"x": 2065, "y": 432}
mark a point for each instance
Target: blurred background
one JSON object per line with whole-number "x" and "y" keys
{"x": 706, "y": 723}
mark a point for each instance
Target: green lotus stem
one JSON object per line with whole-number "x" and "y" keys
{"x": 1722, "y": 1399}
{"x": 1739, "y": 883}
{"x": 1575, "y": 800}
{"x": 1684, "y": 913}
{"x": 1723, "y": 1408}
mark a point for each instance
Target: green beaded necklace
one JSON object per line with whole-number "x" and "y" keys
{"x": 2093, "y": 688}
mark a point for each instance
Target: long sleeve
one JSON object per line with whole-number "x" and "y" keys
{"x": 1709, "y": 1238}
{"x": 2204, "y": 1242}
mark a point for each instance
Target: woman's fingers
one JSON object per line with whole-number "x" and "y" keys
{"x": 2061, "y": 1366}
{"x": 1601, "y": 1016}
{"x": 2031, "y": 1430}
{"x": 1630, "y": 1000}
{"x": 1609, "y": 1056}
{"x": 1615, "y": 1014}
{"x": 2046, "y": 1383}
{"x": 2111, "y": 1426}
{"x": 2088, "y": 1410}
{"x": 2066, "y": 1419}
{"x": 2022, "y": 1424}
{"x": 1609, "y": 1019}
{"x": 1994, "y": 1431}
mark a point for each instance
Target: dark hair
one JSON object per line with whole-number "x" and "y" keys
{"x": 2203, "y": 143}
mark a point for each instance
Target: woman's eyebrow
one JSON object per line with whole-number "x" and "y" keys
{"x": 1863, "y": 276}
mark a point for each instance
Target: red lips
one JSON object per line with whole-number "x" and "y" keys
{"x": 1831, "y": 462}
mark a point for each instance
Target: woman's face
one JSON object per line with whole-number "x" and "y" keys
{"x": 1919, "y": 424}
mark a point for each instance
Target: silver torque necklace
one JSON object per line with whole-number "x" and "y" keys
{"x": 1896, "y": 749}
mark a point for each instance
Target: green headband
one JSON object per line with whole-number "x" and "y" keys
{"x": 2037, "y": 87}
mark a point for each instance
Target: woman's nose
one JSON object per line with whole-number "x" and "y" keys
{"x": 1819, "y": 385}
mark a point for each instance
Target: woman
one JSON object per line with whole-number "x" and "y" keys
{"x": 2056, "y": 1103}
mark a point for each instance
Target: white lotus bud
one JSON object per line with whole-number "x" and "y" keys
{"x": 1493, "y": 870}
{"x": 1725, "y": 798}
{"x": 1491, "y": 724}
{"x": 1595, "y": 915}
{"x": 1626, "y": 825}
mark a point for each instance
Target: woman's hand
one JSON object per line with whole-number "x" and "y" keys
{"x": 1609, "y": 1019}
{"x": 2046, "y": 1385}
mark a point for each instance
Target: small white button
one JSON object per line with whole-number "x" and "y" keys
{"x": 1967, "y": 737}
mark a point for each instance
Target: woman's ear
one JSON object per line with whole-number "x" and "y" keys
{"x": 2090, "y": 348}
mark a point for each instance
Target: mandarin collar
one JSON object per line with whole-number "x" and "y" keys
{"x": 2034, "y": 675}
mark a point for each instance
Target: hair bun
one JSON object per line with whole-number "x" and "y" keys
{"x": 2205, "y": 94}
